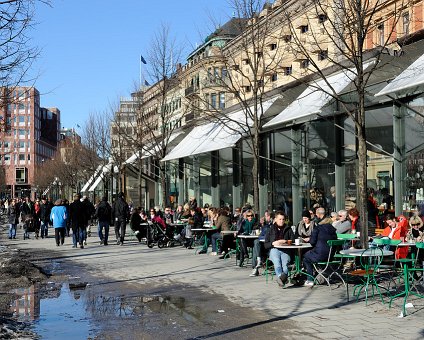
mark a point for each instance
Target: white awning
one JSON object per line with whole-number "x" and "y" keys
{"x": 318, "y": 94}
{"x": 104, "y": 170}
{"x": 214, "y": 136}
{"x": 91, "y": 179}
{"x": 407, "y": 82}
{"x": 150, "y": 149}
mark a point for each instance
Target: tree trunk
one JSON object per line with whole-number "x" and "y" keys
{"x": 164, "y": 202}
{"x": 255, "y": 172}
{"x": 361, "y": 201}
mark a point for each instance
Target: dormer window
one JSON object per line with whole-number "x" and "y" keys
{"x": 304, "y": 63}
{"x": 287, "y": 38}
{"x": 273, "y": 46}
{"x": 323, "y": 54}
{"x": 304, "y": 28}
{"x": 322, "y": 18}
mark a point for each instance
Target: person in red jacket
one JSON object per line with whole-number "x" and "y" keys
{"x": 396, "y": 230}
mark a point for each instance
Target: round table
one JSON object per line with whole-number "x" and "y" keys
{"x": 297, "y": 256}
{"x": 368, "y": 252}
{"x": 248, "y": 236}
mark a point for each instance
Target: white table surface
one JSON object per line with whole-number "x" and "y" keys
{"x": 369, "y": 252}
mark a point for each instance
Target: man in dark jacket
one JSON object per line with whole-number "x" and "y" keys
{"x": 277, "y": 236}
{"x": 323, "y": 232}
{"x": 120, "y": 215}
{"x": 89, "y": 211}
{"x": 45, "y": 210}
{"x": 104, "y": 216}
{"x": 77, "y": 218}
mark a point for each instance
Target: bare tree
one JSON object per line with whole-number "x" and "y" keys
{"x": 160, "y": 111}
{"x": 345, "y": 34}
{"x": 251, "y": 63}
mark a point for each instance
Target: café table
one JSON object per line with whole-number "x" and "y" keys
{"x": 297, "y": 257}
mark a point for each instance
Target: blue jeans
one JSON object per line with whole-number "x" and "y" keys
{"x": 215, "y": 237}
{"x": 44, "y": 229}
{"x": 101, "y": 225}
{"x": 82, "y": 234}
{"x": 12, "y": 230}
{"x": 280, "y": 260}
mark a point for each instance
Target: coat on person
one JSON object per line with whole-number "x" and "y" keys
{"x": 13, "y": 214}
{"x": 103, "y": 211}
{"x": 320, "y": 235}
{"x": 59, "y": 216}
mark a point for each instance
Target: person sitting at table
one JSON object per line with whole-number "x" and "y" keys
{"x": 223, "y": 223}
{"x": 354, "y": 219}
{"x": 343, "y": 225}
{"x": 135, "y": 224}
{"x": 305, "y": 227}
{"x": 197, "y": 223}
{"x": 277, "y": 235}
{"x": 178, "y": 215}
{"x": 322, "y": 233}
{"x": 258, "y": 252}
{"x": 416, "y": 229}
{"x": 245, "y": 227}
{"x": 395, "y": 230}
{"x": 334, "y": 217}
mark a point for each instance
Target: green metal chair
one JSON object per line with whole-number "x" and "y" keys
{"x": 326, "y": 269}
{"x": 346, "y": 236}
{"x": 370, "y": 260}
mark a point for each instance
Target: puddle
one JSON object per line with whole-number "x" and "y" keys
{"x": 77, "y": 310}
{"x": 54, "y": 311}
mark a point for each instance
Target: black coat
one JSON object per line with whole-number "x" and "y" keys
{"x": 45, "y": 210}
{"x": 13, "y": 214}
{"x": 76, "y": 213}
{"x": 271, "y": 235}
{"x": 120, "y": 210}
{"x": 320, "y": 235}
{"x": 104, "y": 212}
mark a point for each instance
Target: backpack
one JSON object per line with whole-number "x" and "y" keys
{"x": 103, "y": 212}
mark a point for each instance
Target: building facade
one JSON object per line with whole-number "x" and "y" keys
{"x": 28, "y": 137}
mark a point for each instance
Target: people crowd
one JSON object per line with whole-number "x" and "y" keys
{"x": 263, "y": 239}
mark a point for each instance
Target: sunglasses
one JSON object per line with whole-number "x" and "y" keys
{"x": 415, "y": 225}
{"x": 249, "y": 215}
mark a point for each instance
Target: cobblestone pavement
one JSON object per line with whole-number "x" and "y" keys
{"x": 318, "y": 313}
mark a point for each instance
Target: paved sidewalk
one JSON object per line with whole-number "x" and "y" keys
{"x": 318, "y": 313}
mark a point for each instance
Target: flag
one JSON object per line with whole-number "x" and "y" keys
{"x": 142, "y": 59}
{"x": 146, "y": 83}
{"x": 78, "y": 126}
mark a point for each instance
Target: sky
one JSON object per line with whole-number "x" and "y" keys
{"x": 90, "y": 49}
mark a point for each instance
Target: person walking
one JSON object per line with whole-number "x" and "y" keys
{"x": 13, "y": 218}
{"x": 59, "y": 217}
{"x": 103, "y": 214}
{"x": 89, "y": 211}
{"x": 76, "y": 217}
{"x": 120, "y": 214}
{"x": 45, "y": 210}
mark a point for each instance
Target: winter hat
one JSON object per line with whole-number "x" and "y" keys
{"x": 306, "y": 213}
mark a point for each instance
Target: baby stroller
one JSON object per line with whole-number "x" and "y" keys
{"x": 29, "y": 226}
{"x": 156, "y": 235}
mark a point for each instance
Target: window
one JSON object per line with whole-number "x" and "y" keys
{"x": 258, "y": 54}
{"x": 21, "y": 119}
{"x": 222, "y": 100}
{"x": 247, "y": 88}
{"x": 207, "y": 101}
{"x": 21, "y": 157}
{"x": 322, "y": 18}
{"x": 304, "y": 63}
{"x": 405, "y": 23}
{"x": 274, "y": 77}
{"x": 7, "y": 158}
{"x": 223, "y": 73}
{"x": 213, "y": 100}
{"x": 29, "y": 157}
{"x": 323, "y": 54}
{"x": 287, "y": 38}
{"x": 246, "y": 61}
{"x": 21, "y": 145}
{"x": 380, "y": 30}
{"x": 20, "y": 174}
{"x": 260, "y": 82}
{"x": 21, "y": 106}
{"x": 304, "y": 28}
{"x": 288, "y": 70}
{"x": 21, "y": 132}
{"x": 273, "y": 46}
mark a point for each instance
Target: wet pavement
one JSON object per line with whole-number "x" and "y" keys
{"x": 134, "y": 292}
